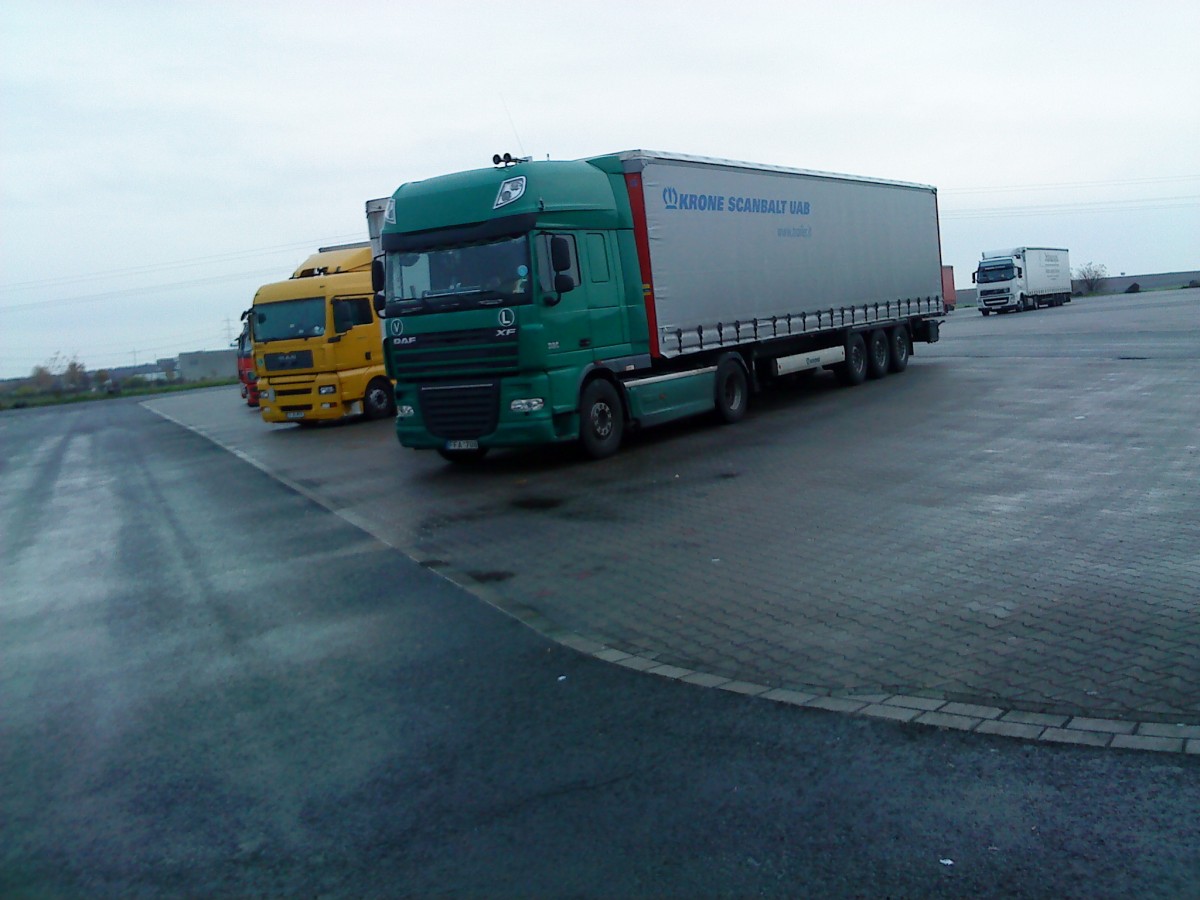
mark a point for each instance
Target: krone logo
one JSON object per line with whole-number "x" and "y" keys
{"x": 670, "y": 198}
{"x": 507, "y": 317}
{"x": 396, "y": 327}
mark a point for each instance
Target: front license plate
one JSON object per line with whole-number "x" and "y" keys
{"x": 462, "y": 445}
{"x": 295, "y": 415}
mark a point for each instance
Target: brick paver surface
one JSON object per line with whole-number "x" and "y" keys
{"x": 1013, "y": 523}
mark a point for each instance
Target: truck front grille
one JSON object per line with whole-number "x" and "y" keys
{"x": 297, "y": 359}
{"x": 458, "y": 412}
{"x": 479, "y": 351}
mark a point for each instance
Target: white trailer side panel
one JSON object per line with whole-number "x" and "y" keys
{"x": 1047, "y": 271}
{"x": 732, "y": 243}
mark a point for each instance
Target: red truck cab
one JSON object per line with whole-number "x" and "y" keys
{"x": 247, "y": 375}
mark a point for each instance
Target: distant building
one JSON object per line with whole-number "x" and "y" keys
{"x": 205, "y": 365}
{"x": 146, "y": 371}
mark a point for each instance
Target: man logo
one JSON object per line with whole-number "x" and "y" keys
{"x": 507, "y": 317}
{"x": 396, "y": 327}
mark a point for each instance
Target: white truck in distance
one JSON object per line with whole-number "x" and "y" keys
{"x": 1023, "y": 278}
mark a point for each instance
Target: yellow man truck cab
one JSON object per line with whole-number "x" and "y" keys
{"x": 317, "y": 341}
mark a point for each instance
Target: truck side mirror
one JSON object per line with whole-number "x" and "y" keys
{"x": 560, "y": 254}
{"x": 973, "y": 277}
{"x": 380, "y": 304}
{"x": 377, "y": 274}
{"x": 563, "y": 283}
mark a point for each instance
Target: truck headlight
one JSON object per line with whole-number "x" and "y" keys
{"x": 405, "y": 412}
{"x": 527, "y": 405}
{"x": 327, "y": 389}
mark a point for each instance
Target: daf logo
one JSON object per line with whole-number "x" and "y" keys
{"x": 396, "y": 327}
{"x": 511, "y": 190}
{"x": 507, "y": 317}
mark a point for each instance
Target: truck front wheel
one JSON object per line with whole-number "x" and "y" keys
{"x": 601, "y": 419}
{"x": 854, "y": 370}
{"x": 379, "y": 400}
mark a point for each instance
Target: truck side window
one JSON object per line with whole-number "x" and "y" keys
{"x": 546, "y": 268}
{"x": 351, "y": 311}
{"x": 597, "y": 257}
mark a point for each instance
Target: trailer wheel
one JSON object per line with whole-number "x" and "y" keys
{"x": 854, "y": 370}
{"x": 379, "y": 400}
{"x": 878, "y": 354}
{"x": 731, "y": 390}
{"x": 898, "y": 347}
{"x": 601, "y": 419}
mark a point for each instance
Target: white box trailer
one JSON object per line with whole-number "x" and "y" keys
{"x": 1021, "y": 278}
{"x": 735, "y": 247}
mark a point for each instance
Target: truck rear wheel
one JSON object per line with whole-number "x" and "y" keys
{"x": 731, "y": 391}
{"x": 898, "y": 347}
{"x": 854, "y": 370}
{"x": 601, "y": 419}
{"x": 878, "y": 354}
{"x": 379, "y": 400}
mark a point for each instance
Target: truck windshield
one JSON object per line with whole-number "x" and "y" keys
{"x": 478, "y": 275}
{"x": 287, "y": 319}
{"x": 995, "y": 273}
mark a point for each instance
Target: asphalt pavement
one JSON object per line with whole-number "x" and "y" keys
{"x": 213, "y": 684}
{"x": 1001, "y": 538}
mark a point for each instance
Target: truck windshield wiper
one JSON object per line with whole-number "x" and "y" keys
{"x": 437, "y": 295}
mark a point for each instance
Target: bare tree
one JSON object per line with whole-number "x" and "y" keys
{"x": 1092, "y": 275}
{"x": 42, "y": 378}
{"x": 75, "y": 376}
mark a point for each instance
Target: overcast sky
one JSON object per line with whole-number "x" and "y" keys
{"x": 159, "y": 161}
